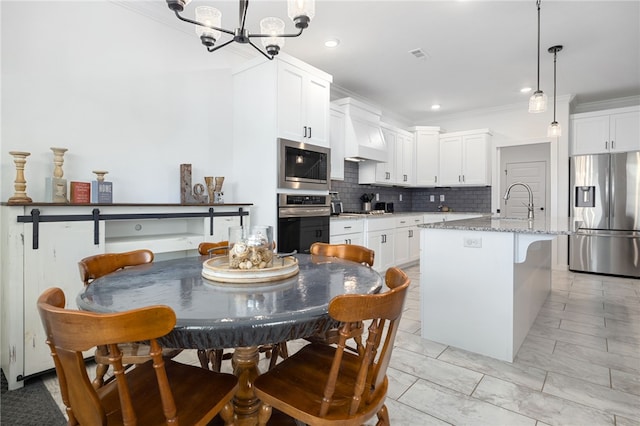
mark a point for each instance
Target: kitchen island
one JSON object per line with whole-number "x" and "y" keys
{"x": 484, "y": 280}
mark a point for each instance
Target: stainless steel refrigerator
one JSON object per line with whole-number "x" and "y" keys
{"x": 605, "y": 196}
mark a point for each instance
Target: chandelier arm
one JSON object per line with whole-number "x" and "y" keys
{"x": 213, "y": 49}
{"x": 260, "y": 50}
{"x": 277, "y": 35}
{"x": 201, "y": 24}
{"x": 244, "y": 6}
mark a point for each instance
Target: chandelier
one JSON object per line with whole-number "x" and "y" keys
{"x": 208, "y": 21}
{"x": 538, "y": 101}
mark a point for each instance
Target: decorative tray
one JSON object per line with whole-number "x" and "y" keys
{"x": 217, "y": 269}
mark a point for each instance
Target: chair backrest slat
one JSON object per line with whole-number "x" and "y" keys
{"x": 351, "y": 252}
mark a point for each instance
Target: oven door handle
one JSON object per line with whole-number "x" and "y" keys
{"x": 284, "y": 212}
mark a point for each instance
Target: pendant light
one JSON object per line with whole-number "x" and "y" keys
{"x": 554, "y": 128}
{"x": 538, "y": 101}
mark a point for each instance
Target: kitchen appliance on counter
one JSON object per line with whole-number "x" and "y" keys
{"x": 303, "y": 165}
{"x": 302, "y": 221}
{"x": 605, "y": 196}
{"x": 336, "y": 204}
{"x": 387, "y": 207}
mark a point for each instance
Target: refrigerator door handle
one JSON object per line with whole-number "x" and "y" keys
{"x": 606, "y": 233}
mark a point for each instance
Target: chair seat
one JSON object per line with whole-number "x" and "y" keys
{"x": 300, "y": 389}
{"x": 193, "y": 388}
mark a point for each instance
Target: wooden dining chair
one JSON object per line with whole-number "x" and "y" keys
{"x": 355, "y": 253}
{"x": 322, "y": 384}
{"x": 160, "y": 391}
{"x": 351, "y": 252}
{"x": 94, "y": 267}
{"x": 210, "y": 248}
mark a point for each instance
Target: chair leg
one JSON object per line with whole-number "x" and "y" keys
{"x": 264, "y": 414}
{"x": 215, "y": 355}
{"x": 383, "y": 417}
{"x": 204, "y": 359}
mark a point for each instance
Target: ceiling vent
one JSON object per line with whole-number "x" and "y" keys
{"x": 419, "y": 54}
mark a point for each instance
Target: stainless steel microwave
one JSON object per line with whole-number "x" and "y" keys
{"x": 303, "y": 166}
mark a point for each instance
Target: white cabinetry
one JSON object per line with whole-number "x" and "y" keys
{"x": 381, "y": 173}
{"x": 407, "y": 239}
{"x": 41, "y": 245}
{"x": 379, "y": 237}
{"x": 605, "y": 131}
{"x": 465, "y": 158}
{"x": 263, "y": 96}
{"x": 427, "y": 155}
{"x": 347, "y": 231}
{"x": 336, "y": 139}
{"x": 405, "y": 159}
{"x": 303, "y": 105}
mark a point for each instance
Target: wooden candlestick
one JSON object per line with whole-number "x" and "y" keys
{"x": 58, "y": 160}
{"x": 20, "y": 185}
{"x": 100, "y": 175}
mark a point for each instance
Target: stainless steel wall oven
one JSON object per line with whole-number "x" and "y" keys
{"x": 302, "y": 220}
{"x": 303, "y": 165}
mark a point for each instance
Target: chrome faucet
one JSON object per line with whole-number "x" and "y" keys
{"x": 528, "y": 188}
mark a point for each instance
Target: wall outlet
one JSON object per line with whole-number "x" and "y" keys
{"x": 377, "y": 197}
{"x": 441, "y": 197}
{"x": 432, "y": 198}
{"x": 472, "y": 242}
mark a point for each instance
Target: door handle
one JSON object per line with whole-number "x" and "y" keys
{"x": 613, "y": 144}
{"x": 305, "y": 131}
{"x": 309, "y": 132}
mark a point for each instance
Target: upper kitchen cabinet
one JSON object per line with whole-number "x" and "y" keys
{"x": 303, "y": 105}
{"x": 336, "y": 141}
{"x": 465, "y": 158}
{"x": 616, "y": 130}
{"x": 427, "y": 155}
{"x": 405, "y": 159}
{"x": 383, "y": 172}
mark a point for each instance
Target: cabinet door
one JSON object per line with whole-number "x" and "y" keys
{"x": 404, "y": 160}
{"x": 625, "y": 132}
{"x": 427, "y": 159}
{"x": 316, "y": 110}
{"x": 590, "y": 135}
{"x": 475, "y": 170}
{"x": 451, "y": 160}
{"x": 386, "y": 172}
{"x": 336, "y": 139}
{"x": 54, "y": 264}
{"x": 291, "y": 84}
{"x": 382, "y": 243}
{"x": 414, "y": 243}
{"x": 347, "y": 239}
{"x": 401, "y": 243}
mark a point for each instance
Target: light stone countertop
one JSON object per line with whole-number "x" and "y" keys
{"x": 540, "y": 225}
{"x": 351, "y": 216}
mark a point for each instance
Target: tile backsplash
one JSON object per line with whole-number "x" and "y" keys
{"x": 468, "y": 199}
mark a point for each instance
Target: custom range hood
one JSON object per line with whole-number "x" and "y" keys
{"x": 363, "y": 139}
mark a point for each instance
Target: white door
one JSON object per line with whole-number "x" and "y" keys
{"x": 533, "y": 174}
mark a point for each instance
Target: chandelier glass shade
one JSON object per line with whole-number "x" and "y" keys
{"x": 208, "y": 22}
{"x": 554, "y": 128}
{"x": 538, "y": 101}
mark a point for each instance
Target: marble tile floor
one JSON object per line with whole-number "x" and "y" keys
{"x": 579, "y": 365}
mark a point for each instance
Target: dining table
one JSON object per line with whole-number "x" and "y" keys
{"x": 213, "y": 314}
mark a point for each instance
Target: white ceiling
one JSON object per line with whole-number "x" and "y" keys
{"x": 479, "y": 53}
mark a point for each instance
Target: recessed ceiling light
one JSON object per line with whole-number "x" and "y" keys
{"x": 525, "y": 90}
{"x": 435, "y": 107}
{"x": 331, "y": 43}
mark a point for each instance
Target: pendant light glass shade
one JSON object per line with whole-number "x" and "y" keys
{"x": 209, "y": 16}
{"x": 554, "y": 129}
{"x": 274, "y": 27}
{"x": 538, "y": 102}
{"x": 301, "y": 11}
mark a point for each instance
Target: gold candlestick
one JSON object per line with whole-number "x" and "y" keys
{"x": 100, "y": 175}
{"x": 20, "y": 185}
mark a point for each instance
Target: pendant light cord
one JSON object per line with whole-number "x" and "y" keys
{"x": 555, "y": 55}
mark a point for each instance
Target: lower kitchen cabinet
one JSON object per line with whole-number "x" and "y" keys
{"x": 41, "y": 245}
{"x": 379, "y": 237}
{"x": 347, "y": 231}
{"x": 407, "y": 239}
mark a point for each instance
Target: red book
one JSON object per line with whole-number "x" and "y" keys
{"x": 80, "y": 193}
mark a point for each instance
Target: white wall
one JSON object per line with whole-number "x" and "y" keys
{"x": 513, "y": 125}
{"x": 122, "y": 92}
